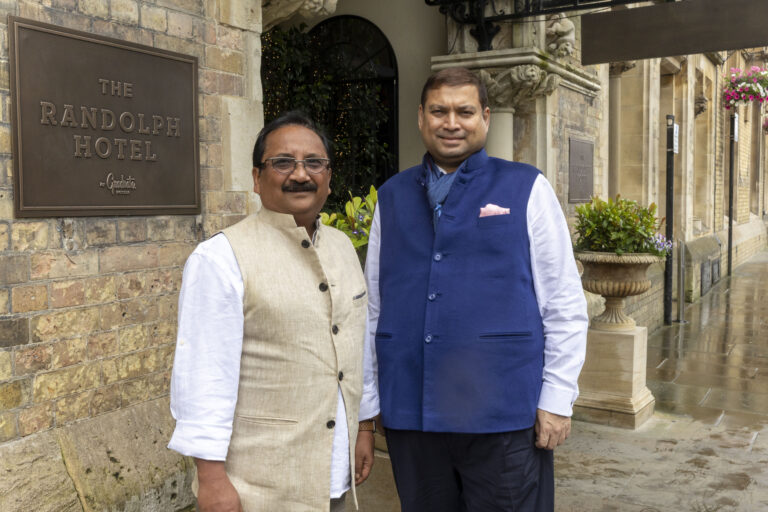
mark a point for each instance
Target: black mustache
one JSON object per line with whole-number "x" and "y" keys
{"x": 300, "y": 187}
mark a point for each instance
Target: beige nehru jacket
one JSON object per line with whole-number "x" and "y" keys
{"x": 304, "y": 309}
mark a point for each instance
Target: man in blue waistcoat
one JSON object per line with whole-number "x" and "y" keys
{"x": 477, "y": 315}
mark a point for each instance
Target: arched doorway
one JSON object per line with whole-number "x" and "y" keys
{"x": 343, "y": 72}
{"x": 361, "y": 62}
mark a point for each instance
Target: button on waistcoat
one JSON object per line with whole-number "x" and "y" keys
{"x": 459, "y": 339}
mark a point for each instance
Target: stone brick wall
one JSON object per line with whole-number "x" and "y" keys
{"x": 722, "y": 142}
{"x": 90, "y": 329}
{"x": 744, "y": 164}
{"x": 580, "y": 117}
{"x": 648, "y": 309}
{"x": 88, "y": 305}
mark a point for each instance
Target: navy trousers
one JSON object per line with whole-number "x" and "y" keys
{"x": 445, "y": 472}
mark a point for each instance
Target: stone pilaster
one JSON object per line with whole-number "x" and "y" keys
{"x": 614, "y": 136}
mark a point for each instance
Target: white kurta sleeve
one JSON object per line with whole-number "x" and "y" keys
{"x": 560, "y": 297}
{"x": 369, "y": 405}
{"x": 206, "y": 367}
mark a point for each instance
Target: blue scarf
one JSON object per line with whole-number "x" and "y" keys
{"x": 438, "y": 185}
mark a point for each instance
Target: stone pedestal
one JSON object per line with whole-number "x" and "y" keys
{"x": 612, "y": 388}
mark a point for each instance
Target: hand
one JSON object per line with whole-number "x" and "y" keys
{"x": 216, "y": 492}
{"x": 363, "y": 456}
{"x": 551, "y": 429}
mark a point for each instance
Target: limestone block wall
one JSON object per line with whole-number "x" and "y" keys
{"x": 721, "y": 163}
{"x": 88, "y": 305}
{"x": 749, "y": 238}
{"x": 648, "y": 309}
{"x": 580, "y": 117}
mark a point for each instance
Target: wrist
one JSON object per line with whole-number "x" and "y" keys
{"x": 210, "y": 470}
{"x": 367, "y": 426}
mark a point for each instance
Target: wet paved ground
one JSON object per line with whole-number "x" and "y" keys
{"x": 706, "y": 448}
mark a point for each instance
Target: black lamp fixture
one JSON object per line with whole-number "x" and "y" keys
{"x": 476, "y": 12}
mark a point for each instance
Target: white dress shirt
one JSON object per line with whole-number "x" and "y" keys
{"x": 559, "y": 294}
{"x": 206, "y": 368}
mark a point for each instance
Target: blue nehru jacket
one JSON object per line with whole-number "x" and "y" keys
{"x": 459, "y": 340}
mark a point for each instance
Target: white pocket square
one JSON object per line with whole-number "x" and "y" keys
{"x": 493, "y": 209}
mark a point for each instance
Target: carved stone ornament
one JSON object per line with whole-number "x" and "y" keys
{"x": 617, "y": 68}
{"x": 514, "y": 76}
{"x": 275, "y": 12}
{"x": 700, "y": 105}
{"x": 561, "y": 35}
{"x": 516, "y": 85}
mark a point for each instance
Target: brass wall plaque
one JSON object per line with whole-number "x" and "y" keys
{"x": 580, "y": 170}
{"x": 101, "y": 126}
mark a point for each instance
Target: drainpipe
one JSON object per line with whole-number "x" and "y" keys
{"x": 670, "y": 216}
{"x": 734, "y": 139}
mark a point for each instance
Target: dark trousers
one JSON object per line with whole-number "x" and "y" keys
{"x": 444, "y": 472}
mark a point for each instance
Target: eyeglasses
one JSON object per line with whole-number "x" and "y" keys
{"x": 286, "y": 165}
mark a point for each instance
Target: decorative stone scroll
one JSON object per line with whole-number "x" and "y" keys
{"x": 515, "y": 75}
{"x": 512, "y": 86}
{"x": 617, "y": 68}
{"x": 275, "y": 12}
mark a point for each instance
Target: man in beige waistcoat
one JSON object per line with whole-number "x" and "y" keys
{"x": 268, "y": 387}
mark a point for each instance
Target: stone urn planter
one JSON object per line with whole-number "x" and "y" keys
{"x": 615, "y": 276}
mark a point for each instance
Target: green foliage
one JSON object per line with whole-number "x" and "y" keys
{"x": 296, "y": 76}
{"x": 355, "y": 221}
{"x": 620, "y": 226}
{"x": 290, "y": 78}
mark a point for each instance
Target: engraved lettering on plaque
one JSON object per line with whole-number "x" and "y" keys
{"x": 580, "y": 170}
{"x": 112, "y": 123}
{"x": 120, "y": 186}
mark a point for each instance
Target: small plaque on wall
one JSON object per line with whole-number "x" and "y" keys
{"x": 580, "y": 170}
{"x": 101, "y": 126}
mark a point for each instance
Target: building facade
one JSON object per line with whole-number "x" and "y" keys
{"x": 88, "y": 304}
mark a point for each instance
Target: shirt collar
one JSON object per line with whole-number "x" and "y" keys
{"x": 474, "y": 162}
{"x": 286, "y": 220}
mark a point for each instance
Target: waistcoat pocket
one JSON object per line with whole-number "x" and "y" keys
{"x": 505, "y": 336}
{"x": 267, "y": 420}
{"x": 495, "y": 221}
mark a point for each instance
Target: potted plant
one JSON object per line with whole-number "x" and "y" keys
{"x": 617, "y": 240}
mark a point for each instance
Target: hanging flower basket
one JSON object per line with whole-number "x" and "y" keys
{"x": 744, "y": 86}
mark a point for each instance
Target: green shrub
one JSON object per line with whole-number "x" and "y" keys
{"x": 620, "y": 226}
{"x": 355, "y": 221}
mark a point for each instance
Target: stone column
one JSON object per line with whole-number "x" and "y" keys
{"x": 500, "y": 141}
{"x": 635, "y": 104}
{"x": 614, "y": 137}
